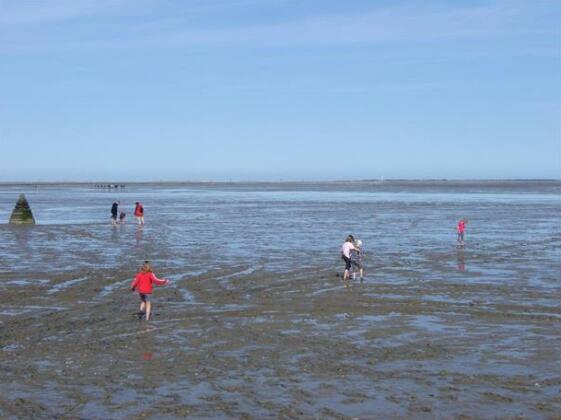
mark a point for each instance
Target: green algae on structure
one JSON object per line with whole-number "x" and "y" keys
{"x": 22, "y": 214}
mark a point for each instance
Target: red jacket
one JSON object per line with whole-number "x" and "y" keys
{"x": 139, "y": 211}
{"x": 143, "y": 282}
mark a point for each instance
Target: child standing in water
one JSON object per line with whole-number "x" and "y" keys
{"x": 143, "y": 283}
{"x": 461, "y": 231}
{"x": 348, "y": 245}
{"x": 356, "y": 259}
{"x": 139, "y": 213}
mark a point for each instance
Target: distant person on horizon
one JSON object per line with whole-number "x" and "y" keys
{"x": 348, "y": 245}
{"x": 356, "y": 259}
{"x": 461, "y": 231}
{"x": 114, "y": 212}
{"x": 143, "y": 284}
{"x": 139, "y": 213}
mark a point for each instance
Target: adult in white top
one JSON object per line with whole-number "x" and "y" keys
{"x": 348, "y": 245}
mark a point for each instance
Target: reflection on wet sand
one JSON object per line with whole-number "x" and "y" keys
{"x": 461, "y": 261}
{"x": 138, "y": 234}
{"x": 23, "y": 235}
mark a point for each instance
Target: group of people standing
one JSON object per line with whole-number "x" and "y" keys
{"x": 138, "y": 213}
{"x": 352, "y": 253}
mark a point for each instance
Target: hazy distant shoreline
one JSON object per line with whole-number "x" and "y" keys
{"x": 393, "y": 182}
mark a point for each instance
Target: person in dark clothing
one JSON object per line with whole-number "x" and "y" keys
{"x": 114, "y": 212}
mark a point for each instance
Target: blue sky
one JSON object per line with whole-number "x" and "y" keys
{"x": 279, "y": 89}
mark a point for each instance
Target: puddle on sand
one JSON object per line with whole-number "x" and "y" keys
{"x": 328, "y": 289}
{"x": 20, "y": 310}
{"x": 24, "y": 283}
{"x": 180, "y": 281}
{"x": 61, "y": 286}
{"x": 227, "y": 277}
{"x": 106, "y": 290}
{"x": 430, "y": 323}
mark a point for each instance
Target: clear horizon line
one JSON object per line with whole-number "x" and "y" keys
{"x": 302, "y": 181}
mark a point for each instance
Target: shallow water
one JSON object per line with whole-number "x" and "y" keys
{"x": 256, "y": 322}
{"x": 284, "y": 229}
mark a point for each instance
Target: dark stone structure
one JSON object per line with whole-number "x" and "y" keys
{"x": 22, "y": 214}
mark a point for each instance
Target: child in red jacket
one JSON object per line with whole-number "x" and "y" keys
{"x": 143, "y": 284}
{"x": 139, "y": 213}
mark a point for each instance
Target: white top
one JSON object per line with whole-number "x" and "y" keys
{"x": 346, "y": 249}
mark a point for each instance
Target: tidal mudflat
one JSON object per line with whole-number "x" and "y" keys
{"x": 257, "y": 323}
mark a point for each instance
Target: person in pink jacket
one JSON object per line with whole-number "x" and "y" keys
{"x": 142, "y": 283}
{"x": 461, "y": 230}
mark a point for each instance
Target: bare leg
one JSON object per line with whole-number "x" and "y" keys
{"x": 142, "y": 306}
{"x": 361, "y": 273}
{"x": 148, "y": 309}
{"x": 346, "y": 275}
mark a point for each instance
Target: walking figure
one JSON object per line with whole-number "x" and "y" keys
{"x": 143, "y": 284}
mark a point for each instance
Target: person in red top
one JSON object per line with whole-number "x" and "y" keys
{"x": 139, "y": 213}
{"x": 461, "y": 230}
{"x": 143, "y": 284}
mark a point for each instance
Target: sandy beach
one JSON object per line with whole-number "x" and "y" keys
{"x": 257, "y": 322}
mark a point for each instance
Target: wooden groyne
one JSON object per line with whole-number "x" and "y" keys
{"x": 22, "y": 214}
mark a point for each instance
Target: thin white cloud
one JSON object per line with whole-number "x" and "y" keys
{"x": 405, "y": 24}
{"x": 18, "y": 12}
{"x": 21, "y": 12}
{"x": 411, "y": 24}
{"x": 415, "y": 23}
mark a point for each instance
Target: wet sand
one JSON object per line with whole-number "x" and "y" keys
{"x": 235, "y": 343}
{"x": 432, "y": 332}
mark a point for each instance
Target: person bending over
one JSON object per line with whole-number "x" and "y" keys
{"x": 346, "y": 249}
